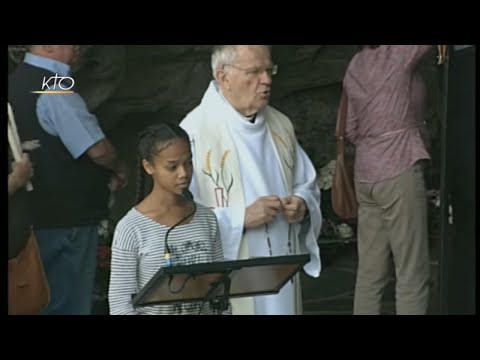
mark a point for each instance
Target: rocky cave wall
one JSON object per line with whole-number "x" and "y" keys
{"x": 129, "y": 86}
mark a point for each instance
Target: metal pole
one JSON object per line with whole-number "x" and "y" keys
{"x": 444, "y": 186}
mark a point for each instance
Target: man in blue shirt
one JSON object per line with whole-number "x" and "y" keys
{"x": 76, "y": 167}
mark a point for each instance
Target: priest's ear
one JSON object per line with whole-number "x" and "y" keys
{"x": 223, "y": 78}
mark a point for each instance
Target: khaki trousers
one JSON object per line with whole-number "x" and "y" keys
{"x": 392, "y": 220}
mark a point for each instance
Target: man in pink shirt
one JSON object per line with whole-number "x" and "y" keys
{"x": 386, "y": 98}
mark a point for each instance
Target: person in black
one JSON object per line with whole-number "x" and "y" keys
{"x": 19, "y": 217}
{"x": 28, "y": 291}
{"x": 76, "y": 168}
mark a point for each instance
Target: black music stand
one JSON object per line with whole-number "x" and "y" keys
{"x": 218, "y": 282}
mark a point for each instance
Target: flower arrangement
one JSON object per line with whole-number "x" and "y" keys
{"x": 433, "y": 196}
{"x": 332, "y": 226}
{"x": 105, "y": 235}
{"x": 105, "y": 230}
{"x": 325, "y": 177}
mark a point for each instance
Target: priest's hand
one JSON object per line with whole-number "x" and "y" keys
{"x": 294, "y": 209}
{"x": 262, "y": 211}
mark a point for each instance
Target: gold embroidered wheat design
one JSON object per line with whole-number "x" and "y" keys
{"x": 222, "y": 167}
{"x": 215, "y": 175}
{"x": 222, "y": 160}
{"x": 289, "y": 162}
{"x": 279, "y": 139}
{"x": 208, "y": 166}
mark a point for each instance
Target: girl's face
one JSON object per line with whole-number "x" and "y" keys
{"x": 171, "y": 169}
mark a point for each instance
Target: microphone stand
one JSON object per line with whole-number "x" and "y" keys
{"x": 219, "y": 304}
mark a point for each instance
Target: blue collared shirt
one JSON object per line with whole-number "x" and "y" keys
{"x": 66, "y": 115}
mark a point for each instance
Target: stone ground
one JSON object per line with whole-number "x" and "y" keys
{"x": 332, "y": 292}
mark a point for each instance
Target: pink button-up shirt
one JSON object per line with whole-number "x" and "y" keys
{"x": 386, "y": 99}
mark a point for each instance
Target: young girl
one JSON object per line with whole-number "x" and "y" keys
{"x": 140, "y": 242}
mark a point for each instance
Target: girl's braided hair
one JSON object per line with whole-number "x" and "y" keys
{"x": 151, "y": 141}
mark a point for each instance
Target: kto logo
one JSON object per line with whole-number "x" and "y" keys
{"x": 57, "y": 85}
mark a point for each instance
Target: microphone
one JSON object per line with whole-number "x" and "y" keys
{"x": 187, "y": 194}
{"x": 168, "y": 253}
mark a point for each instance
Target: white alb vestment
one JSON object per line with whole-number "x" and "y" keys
{"x": 236, "y": 162}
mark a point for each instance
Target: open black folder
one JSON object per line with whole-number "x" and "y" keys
{"x": 217, "y": 282}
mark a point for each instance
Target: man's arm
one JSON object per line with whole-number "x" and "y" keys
{"x": 104, "y": 154}
{"x": 68, "y": 118}
{"x": 410, "y": 55}
{"x": 351, "y": 122}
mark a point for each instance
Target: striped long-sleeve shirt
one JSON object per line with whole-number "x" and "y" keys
{"x": 138, "y": 250}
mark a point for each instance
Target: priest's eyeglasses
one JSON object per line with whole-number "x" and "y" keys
{"x": 256, "y": 71}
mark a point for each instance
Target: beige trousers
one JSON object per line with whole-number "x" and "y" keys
{"x": 392, "y": 220}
